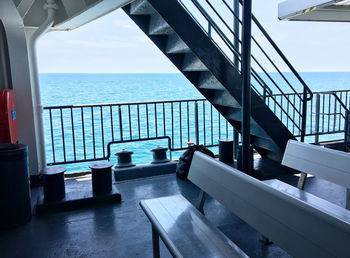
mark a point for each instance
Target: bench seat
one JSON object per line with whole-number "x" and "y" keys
{"x": 312, "y": 200}
{"x": 185, "y": 231}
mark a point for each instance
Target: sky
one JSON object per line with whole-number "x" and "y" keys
{"x": 114, "y": 44}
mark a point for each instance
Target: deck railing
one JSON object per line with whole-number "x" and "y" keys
{"x": 79, "y": 133}
{"x": 86, "y": 132}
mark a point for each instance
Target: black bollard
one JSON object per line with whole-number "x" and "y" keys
{"x": 124, "y": 159}
{"x": 101, "y": 177}
{"x": 159, "y": 155}
{"x": 226, "y": 151}
{"x": 54, "y": 188}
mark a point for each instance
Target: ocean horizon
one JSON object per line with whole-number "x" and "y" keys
{"x": 60, "y": 89}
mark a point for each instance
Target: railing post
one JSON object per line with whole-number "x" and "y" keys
{"x": 346, "y": 130}
{"x": 120, "y": 122}
{"x": 317, "y": 122}
{"x": 304, "y": 116}
{"x": 235, "y": 60}
{"x": 209, "y": 30}
{"x": 196, "y": 121}
{"x": 246, "y": 90}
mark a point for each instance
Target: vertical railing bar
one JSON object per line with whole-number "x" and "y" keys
{"x": 172, "y": 125}
{"x": 300, "y": 117}
{"x": 120, "y": 123}
{"x": 294, "y": 114}
{"x": 73, "y": 133}
{"x": 112, "y": 126}
{"x": 188, "y": 121}
{"x": 93, "y": 131}
{"x": 335, "y": 112}
{"x": 147, "y": 120}
{"x": 311, "y": 112}
{"x": 164, "y": 119}
{"x": 212, "y": 124}
{"x": 329, "y": 110}
{"x": 281, "y": 108}
{"x": 288, "y": 110}
{"x": 83, "y": 128}
{"x": 196, "y": 122}
{"x": 323, "y": 108}
{"x": 180, "y": 110}
{"x": 317, "y": 122}
{"x": 103, "y": 133}
{"x": 138, "y": 120}
{"x": 219, "y": 125}
{"x": 63, "y": 140}
{"x": 52, "y": 138}
{"x": 204, "y": 131}
{"x": 155, "y": 118}
{"x": 130, "y": 127}
{"x": 340, "y": 111}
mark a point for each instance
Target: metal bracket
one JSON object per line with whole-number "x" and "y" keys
{"x": 200, "y": 202}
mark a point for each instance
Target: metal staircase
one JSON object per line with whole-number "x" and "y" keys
{"x": 206, "y": 49}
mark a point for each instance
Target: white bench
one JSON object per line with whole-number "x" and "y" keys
{"x": 301, "y": 224}
{"x": 328, "y": 164}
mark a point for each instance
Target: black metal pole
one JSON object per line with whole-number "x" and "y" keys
{"x": 246, "y": 98}
{"x": 235, "y": 59}
{"x": 304, "y": 114}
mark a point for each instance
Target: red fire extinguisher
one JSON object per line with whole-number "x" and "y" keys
{"x": 8, "y": 117}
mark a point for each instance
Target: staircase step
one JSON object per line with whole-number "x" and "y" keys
{"x": 175, "y": 45}
{"x": 208, "y": 81}
{"x": 192, "y": 63}
{"x": 141, "y": 7}
{"x": 221, "y": 97}
{"x": 158, "y": 26}
{"x": 264, "y": 143}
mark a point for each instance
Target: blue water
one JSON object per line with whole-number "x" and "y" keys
{"x": 76, "y": 89}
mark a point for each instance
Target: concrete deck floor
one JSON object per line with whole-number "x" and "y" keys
{"x": 122, "y": 230}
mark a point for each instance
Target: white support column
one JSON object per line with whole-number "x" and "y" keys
{"x": 20, "y": 78}
{"x": 32, "y": 38}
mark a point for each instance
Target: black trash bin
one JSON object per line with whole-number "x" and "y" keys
{"x": 15, "y": 203}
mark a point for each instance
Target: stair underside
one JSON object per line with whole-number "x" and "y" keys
{"x": 199, "y": 59}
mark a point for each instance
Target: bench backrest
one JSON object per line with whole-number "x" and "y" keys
{"x": 328, "y": 164}
{"x": 295, "y": 226}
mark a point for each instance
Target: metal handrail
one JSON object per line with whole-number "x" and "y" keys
{"x": 306, "y": 90}
{"x": 238, "y": 55}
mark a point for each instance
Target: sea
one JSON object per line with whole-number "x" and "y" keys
{"x": 79, "y": 89}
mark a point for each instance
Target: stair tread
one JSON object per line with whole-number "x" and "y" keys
{"x": 141, "y": 7}
{"x": 158, "y": 26}
{"x": 176, "y": 46}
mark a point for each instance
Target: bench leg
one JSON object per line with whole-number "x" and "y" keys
{"x": 200, "y": 202}
{"x": 347, "y": 201}
{"x": 265, "y": 240}
{"x": 301, "y": 182}
{"x": 155, "y": 242}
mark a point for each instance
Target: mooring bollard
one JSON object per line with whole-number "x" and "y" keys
{"x": 54, "y": 187}
{"x": 159, "y": 155}
{"x": 124, "y": 159}
{"x": 101, "y": 177}
{"x": 226, "y": 151}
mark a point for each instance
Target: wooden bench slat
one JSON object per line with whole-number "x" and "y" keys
{"x": 291, "y": 223}
{"x": 190, "y": 232}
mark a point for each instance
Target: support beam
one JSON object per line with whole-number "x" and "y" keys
{"x": 235, "y": 59}
{"x": 24, "y": 7}
{"x": 18, "y": 57}
{"x": 246, "y": 91}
